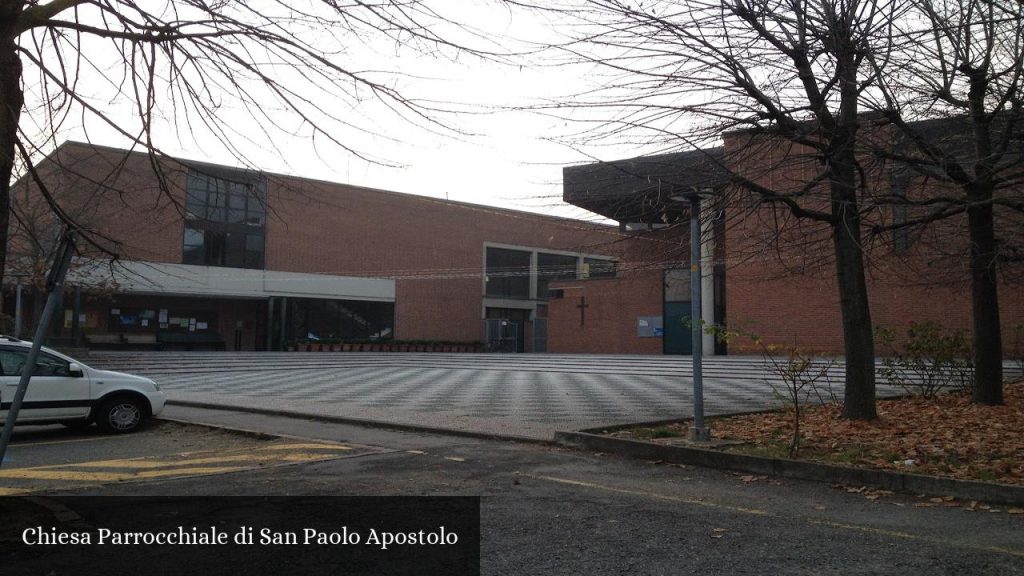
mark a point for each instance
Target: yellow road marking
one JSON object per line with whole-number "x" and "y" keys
{"x": 304, "y": 457}
{"x": 11, "y": 491}
{"x": 764, "y": 513}
{"x": 908, "y": 536}
{"x": 247, "y": 456}
{"x": 133, "y": 463}
{"x": 307, "y": 447}
{"x": 49, "y": 442}
{"x": 195, "y": 463}
{"x": 82, "y": 476}
{"x": 654, "y": 495}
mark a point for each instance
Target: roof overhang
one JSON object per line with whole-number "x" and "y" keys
{"x": 159, "y": 278}
{"x": 648, "y": 189}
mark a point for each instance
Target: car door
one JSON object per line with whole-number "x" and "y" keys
{"x": 53, "y": 392}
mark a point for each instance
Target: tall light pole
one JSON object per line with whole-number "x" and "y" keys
{"x": 698, "y": 432}
{"x": 17, "y": 305}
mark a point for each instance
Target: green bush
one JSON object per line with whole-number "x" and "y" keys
{"x": 930, "y": 359}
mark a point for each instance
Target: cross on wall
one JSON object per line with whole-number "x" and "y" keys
{"x": 583, "y": 308}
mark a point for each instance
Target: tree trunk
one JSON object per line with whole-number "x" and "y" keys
{"x": 859, "y": 345}
{"x": 858, "y": 332}
{"x": 988, "y": 341}
{"x": 11, "y": 101}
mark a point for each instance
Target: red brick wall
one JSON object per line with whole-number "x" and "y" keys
{"x": 781, "y": 276}
{"x": 610, "y": 320}
{"x": 432, "y": 248}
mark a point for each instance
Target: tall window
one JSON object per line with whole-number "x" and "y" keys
{"x": 508, "y": 273}
{"x": 551, "y": 267}
{"x": 225, "y": 220}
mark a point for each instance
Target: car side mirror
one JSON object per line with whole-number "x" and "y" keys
{"x": 75, "y": 370}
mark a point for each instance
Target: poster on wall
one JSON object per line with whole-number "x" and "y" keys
{"x": 649, "y": 327}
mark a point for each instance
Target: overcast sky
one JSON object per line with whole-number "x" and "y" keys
{"x": 503, "y": 158}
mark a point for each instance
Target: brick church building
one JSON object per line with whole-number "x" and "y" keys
{"x": 216, "y": 257}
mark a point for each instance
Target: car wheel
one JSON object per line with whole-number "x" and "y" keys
{"x": 120, "y": 415}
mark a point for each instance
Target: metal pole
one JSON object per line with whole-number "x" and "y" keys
{"x": 698, "y": 432}
{"x": 270, "y": 324}
{"x": 17, "y": 310}
{"x": 76, "y": 327}
{"x": 284, "y": 323}
{"x": 55, "y": 287}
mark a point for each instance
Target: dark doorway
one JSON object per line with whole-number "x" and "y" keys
{"x": 506, "y": 329}
{"x": 678, "y": 335}
{"x": 677, "y": 339}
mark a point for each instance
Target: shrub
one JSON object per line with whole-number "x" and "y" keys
{"x": 931, "y": 359}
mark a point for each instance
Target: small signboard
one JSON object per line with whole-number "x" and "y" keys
{"x": 649, "y": 327}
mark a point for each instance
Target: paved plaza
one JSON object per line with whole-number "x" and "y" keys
{"x": 517, "y": 396}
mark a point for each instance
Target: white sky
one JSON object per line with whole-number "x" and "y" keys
{"x": 504, "y": 160}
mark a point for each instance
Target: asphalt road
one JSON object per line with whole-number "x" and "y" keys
{"x": 546, "y": 510}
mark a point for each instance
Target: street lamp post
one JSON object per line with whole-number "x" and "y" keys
{"x": 17, "y": 306}
{"x": 698, "y": 432}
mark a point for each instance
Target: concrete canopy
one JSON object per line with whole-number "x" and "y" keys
{"x": 643, "y": 190}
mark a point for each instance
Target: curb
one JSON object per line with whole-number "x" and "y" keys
{"x": 359, "y": 422}
{"x": 254, "y": 434}
{"x": 895, "y": 481}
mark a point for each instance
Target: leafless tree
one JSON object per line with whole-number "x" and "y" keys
{"x": 954, "y": 90}
{"x": 787, "y": 77}
{"x": 238, "y": 72}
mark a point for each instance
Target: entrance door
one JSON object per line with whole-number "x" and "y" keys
{"x": 678, "y": 335}
{"x": 540, "y": 329}
{"x": 678, "y": 339}
{"x": 506, "y": 329}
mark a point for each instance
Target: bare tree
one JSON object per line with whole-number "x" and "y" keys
{"x": 787, "y": 78}
{"x": 229, "y": 71}
{"x": 955, "y": 92}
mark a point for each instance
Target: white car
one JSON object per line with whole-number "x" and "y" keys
{"x": 63, "y": 390}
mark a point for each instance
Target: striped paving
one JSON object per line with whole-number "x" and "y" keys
{"x": 523, "y": 395}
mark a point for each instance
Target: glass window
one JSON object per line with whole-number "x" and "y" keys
{"x": 193, "y": 247}
{"x": 12, "y": 361}
{"x": 552, "y": 267}
{"x": 677, "y": 285}
{"x": 601, "y": 268}
{"x": 216, "y": 248}
{"x": 253, "y": 251}
{"x": 508, "y": 273}
{"x": 340, "y": 319}
{"x": 226, "y": 218}
{"x": 47, "y": 365}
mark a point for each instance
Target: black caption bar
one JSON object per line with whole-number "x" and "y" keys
{"x": 338, "y": 535}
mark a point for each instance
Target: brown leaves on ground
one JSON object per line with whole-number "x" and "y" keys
{"x": 946, "y": 436}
